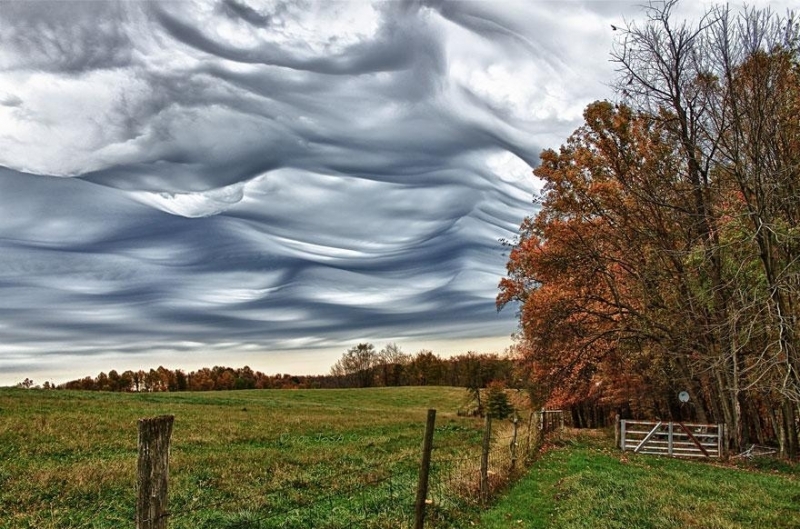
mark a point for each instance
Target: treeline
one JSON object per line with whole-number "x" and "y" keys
{"x": 364, "y": 366}
{"x": 374, "y": 369}
{"x": 205, "y": 379}
{"x": 665, "y": 255}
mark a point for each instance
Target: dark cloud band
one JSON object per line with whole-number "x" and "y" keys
{"x": 242, "y": 176}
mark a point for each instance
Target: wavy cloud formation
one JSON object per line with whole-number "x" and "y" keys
{"x": 243, "y": 176}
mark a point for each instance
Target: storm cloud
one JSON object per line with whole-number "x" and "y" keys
{"x": 244, "y": 176}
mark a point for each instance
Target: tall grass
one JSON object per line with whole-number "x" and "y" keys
{"x": 247, "y": 459}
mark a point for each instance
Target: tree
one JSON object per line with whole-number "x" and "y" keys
{"x": 426, "y": 369}
{"x": 126, "y": 381}
{"x": 103, "y": 383}
{"x": 586, "y": 268}
{"x": 728, "y": 91}
{"x": 665, "y": 253}
{"x": 357, "y": 365}
{"x": 497, "y": 403}
{"x": 391, "y": 364}
{"x": 474, "y": 379}
{"x": 181, "y": 381}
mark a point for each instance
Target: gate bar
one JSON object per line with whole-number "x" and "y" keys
{"x": 647, "y": 438}
{"x": 694, "y": 440}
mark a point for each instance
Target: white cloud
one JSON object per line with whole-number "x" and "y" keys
{"x": 193, "y": 205}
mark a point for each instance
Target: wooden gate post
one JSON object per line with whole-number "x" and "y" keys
{"x": 153, "y": 472}
{"x": 670, "y": 439}
{"x": 424, "y": 471}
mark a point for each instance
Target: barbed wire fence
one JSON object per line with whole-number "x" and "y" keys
{"x": 467, "y": 468}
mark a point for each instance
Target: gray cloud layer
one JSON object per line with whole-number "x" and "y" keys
{"x": 287, "y": 175}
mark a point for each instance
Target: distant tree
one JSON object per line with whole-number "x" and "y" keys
{"x": 391, "y": 363}
{"x": 138, "y": 381}
{"x": 226, "y": 380}
{"x": 167, "y": 379}
{"x": 497, "y": 403}
{"x": 357, "y": 365}
{"x": 426, "y": 369}
{"x": 114, "y": 380}
{"x": 245, "y": 378}
{"x": 181, "y": 381}
{"x": 474, "y": 381}
{"x": 153, "y": 381}
{"x": 201, "y": 380}
{"x": 126, "y": 381}
{"x": 103, "y": 383}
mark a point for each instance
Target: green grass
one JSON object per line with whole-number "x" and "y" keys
{"x": 245, "y": 459}
{"x": 584, "y": 483}
{"x": 345, "y": 458}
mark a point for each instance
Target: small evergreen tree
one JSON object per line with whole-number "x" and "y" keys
{"x": 497, "y": 404}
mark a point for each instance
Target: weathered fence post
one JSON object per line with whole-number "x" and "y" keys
{"x": 530, "y": 433}
{"x": 153, "y": 472}
{"x": 515, "y": 422}
{"x": 424, "y": 471}
{"x": 487, "y": 438}
{"x": 622, "y": 435}
{"x": 616, "y": 429}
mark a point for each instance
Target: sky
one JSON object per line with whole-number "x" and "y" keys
{"x": 193, "y": 183}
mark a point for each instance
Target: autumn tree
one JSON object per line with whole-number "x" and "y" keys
{"x": 426, "y": 369}
{"x": 593, "y": 269}
{"x": 728, "y": 90}
{"x": 664, "y": 255}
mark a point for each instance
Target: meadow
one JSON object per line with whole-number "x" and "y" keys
{"x": 265, "y": 459}
{"x": 244, "y": 459}
{"x": 582, "y": 482}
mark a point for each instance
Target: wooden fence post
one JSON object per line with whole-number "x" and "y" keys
{"x": 153, "y": 472}
{"x": 424, "y": 471}
{"x": 514, "y": 444}
{"x": 487, "y": 437}
{"x": 530, "y": 433}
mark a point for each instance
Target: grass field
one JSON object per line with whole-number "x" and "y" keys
{"x": 245, "y": 459}
{"x": 584, "y": 483}
{"x": 344, "y": 459}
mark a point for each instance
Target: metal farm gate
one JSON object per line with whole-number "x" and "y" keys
{"x": 674, "y": 439}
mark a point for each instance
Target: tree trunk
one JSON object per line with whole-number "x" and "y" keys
{"x": 791, "y": 430}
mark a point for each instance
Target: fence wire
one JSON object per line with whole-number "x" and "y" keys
{"x": 379, "y": 494}
{"x": 359, "y": 493}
